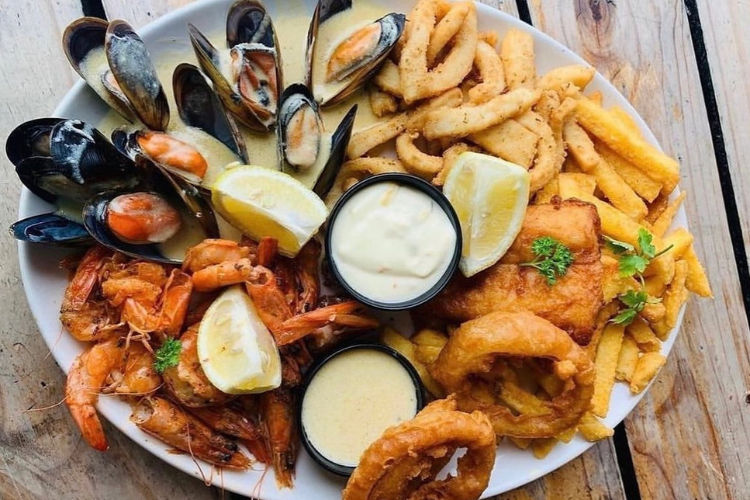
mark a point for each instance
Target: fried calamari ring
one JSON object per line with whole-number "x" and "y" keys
{"x": 476, "y": 346}
{"x": 405, "y": 460}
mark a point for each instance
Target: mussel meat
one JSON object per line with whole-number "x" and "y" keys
{"x": 132, "y": 223}
{"x": 305, "y": 149}
{"x": 250, "y": 85}
{"x": 199, "y": 107}
{"x": 335, "y": 72}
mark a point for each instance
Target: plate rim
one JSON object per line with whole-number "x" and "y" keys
{"x": 548, "y": 464}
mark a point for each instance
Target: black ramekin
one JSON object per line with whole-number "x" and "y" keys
{"x": 344, "y": 470}
{"x": 438, "y": 197}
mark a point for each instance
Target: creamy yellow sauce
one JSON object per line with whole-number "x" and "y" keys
{"x": 352, "y": 399}
{"x": 392, "y": 242}
{"x": 291, "y": 28}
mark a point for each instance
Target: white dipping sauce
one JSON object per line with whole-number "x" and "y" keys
{"x": 352, "y": 399}
{"x": 391, "y": 242}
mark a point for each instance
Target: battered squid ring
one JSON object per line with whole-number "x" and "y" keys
{"x": 404, "y": 461}
{"x": 475, "y": 346}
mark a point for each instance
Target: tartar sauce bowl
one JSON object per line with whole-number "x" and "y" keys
{"x": 341, "y": 415}
{"x": 393, "y": 241}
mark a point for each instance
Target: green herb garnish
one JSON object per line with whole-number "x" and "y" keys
{"x": 168, "y": 355}
{"x": 634, "y": 262}
{"x": 552, "y": 258}
{"x": 634, "y": 301}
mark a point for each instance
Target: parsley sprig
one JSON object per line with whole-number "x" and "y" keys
{"x": 633, "y": 262}
{"x": 168, "y": 355}
{"x": 552, "y": 258}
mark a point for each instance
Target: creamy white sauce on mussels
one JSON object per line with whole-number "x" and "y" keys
{"x": 291, "y": 29}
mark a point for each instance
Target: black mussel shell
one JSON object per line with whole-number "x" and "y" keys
{"x": 249, "y": 22}
{"x": 85, "y": 157}
{"x": 51, "y": 229}
{"x": 292, "y": 99}
{"x": 199, "y": 107}
{"x": 95, "y": 222}
{"x": 323, "y": 11}
{"x": 339, "y": 143}
{"x": 81, "y": 37}
{"x": 131, "y": 65}
{"x": 30, "y": 139}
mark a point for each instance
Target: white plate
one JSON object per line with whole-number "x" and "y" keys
{"x": 44, "y": 282}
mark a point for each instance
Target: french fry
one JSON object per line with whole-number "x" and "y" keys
{"x": 573, "y": 183}
{"x": 662, "y": 223}
{"x": 510, "y": 141}
{"x": 557, "y": 78}
{"x": 388, "y": 78}
{"x": 644, "y": 336}
{"x": 542, "y": 447}
{"x": 490, "y": 37}
{"x": 627, "y": 360}
{"x": 607, "y": 354}
{"x": 446, "y": 29}
{"x": 613, "y": 283}
{"x": 571, "y": 165}
{"x": 414, "y": 160}
{"x": 655, "y": 285}
{"x": 547, "y": 104}
{"x": 627, "y": 144}
{"x": 417, "y": 81}
{"x": 490, "y": 68}
{"x": 521, "y": 401}
{"x": 674, "y": 297}
{"x": 468, "y": 118}
{"x": 615, "y": 223}
{"x": 520, "y": 443}
{"x": 646, "y": 369}
{"x": 566, "y": 435}
{"x": 619, "y": 193}
{"x": 395, "y": 340}
{"x": 680, "y": 240}
{"x": 382, "y": 103}
{"x": 450, "y": 156}
{"x": 654, "y": 312}
{"x": 517, "y": 54}
{"x": 646, "y": 187}
{"x": 549, "y": 191}
{"x": 657, "y": 207}
{"x": 596, "y": 97}
{"x": 626, "y": 119}
{"x": 697, "y": 281}
{"x": 592, "y": 429}
{"x": 428, "y": 344}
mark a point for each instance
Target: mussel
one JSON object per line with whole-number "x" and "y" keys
{"x": 199, "y": 106}
{"x": 51, "y": 229}
{"x": 304, "y": 147}
{"x": 114, "y": 62}
{"x": 133, "y": 223}
{"x": 250, "y": 82}
{"x": 352, "y": 58}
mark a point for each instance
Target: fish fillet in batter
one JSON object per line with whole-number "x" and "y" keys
{"x": 571, "y": 304}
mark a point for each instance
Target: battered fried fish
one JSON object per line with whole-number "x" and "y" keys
{"x": 571, "y": 304}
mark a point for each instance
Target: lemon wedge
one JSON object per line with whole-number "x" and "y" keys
{"x": 235, "y": 349}
{"x": 490, "y": 196}
{"x": 263, "y": 202}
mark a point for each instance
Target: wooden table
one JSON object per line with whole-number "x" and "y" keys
{"x": 684, "y": 65}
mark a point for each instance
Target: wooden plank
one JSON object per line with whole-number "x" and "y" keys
{"x": 41, "y": 453}
{"x": 688, "y": 436}
{"x": 725, "y": 26}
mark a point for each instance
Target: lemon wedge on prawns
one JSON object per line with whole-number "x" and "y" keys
{"x": 235, "y": 349}
{"x": 263, "y": 202}
{"x": 489, "y": 196}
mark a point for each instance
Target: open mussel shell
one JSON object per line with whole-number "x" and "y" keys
{"x": 86, "y": 162}
{"x": 210, "y": 62}
{"x": 351, "y": 62}
{"x": 196, "y": 199}
{"x": 29, "y": 139}
{"x": 82, "y": 38}
{"x": 95, "y": 222}
{"x": 131, "y": 67}
{"x": 199, "y": 106}
{"x": 299, "y": 129}
{"x": 51, "y": 229}
{"x": 337, "y": 155}
{"x": 249, "y": 22}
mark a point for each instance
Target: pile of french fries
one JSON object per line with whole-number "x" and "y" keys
{"x": 449, "y": 88}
